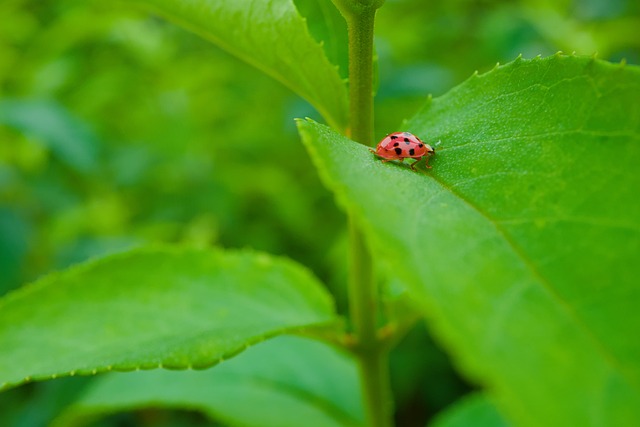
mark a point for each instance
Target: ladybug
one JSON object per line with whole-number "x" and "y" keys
{"x": 403, "y": 145}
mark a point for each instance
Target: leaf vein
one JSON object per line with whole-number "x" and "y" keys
{"x": 607, "y": 355}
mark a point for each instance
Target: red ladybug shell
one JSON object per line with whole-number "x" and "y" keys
{"x": 403, "y": 145}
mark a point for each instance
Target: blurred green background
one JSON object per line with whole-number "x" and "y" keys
{"x": 118, "y": 129}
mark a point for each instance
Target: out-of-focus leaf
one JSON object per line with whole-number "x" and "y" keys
{"x": 521, "y": 243}
{"x": 286, "y": 382}
{"x": 475, "y": 410}
{"x": 14, "y": 236}
{"x": 68, "y": 138}
{"x": 328, "y": 26}
{"x": 272, "y": 36}
{"x": 51, "y": 398}
{"x": 151, "y": 309}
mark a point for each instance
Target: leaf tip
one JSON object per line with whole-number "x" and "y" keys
{"x": 303, "y": 121}
{"x": 623, "y": 62}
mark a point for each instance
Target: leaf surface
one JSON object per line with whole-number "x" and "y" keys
{"x": 521, "y": 243}
{"x": 271, "y": 36}
{"x": 148, "y": 309}
{"x": 313, "y": 381}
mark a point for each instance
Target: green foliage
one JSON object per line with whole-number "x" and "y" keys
{"x": 313, "y": 381}
{"x": 498, "y": 242}
{"x": 271, "y": 36}
{"x": 174, "y": 153}
{"x": 118, "y": 129}
{"x": 476, "y": 410}
{"x": 66, "y": 136}
{"x": 151, "y": 309}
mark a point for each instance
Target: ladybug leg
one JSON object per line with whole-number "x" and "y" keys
{"x": 426, "y": 162}
{"x": 413, "y": 165}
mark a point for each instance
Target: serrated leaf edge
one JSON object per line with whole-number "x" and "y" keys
{"x": 260, "y": 257}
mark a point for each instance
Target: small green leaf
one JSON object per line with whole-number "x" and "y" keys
{"x": 51, "y": 125}
{"x": 148, "y": 309}
{"x": 271, "y": 36}
{"x": 521, "y": 243}
{"x": 475, "y": 410}
{"x": 283, "y": 381}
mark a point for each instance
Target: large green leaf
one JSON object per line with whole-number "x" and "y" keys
{"x": 273, "y": 37}
{"x": 283, "y": 381}
{"x": 153, "y": 308}
{"x": 521, "y": 243}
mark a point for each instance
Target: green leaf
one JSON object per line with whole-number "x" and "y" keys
{"x": 329, "y": 27}
{"x": 148, "y": 309}
{"x": 283, "y": 381}
{"x": 475, "y": 410}
{"x": 271, "y": 36}
{"x": 521, "y": 243}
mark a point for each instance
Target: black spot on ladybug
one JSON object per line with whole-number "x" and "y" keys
{"x": 406, "y": 141}
{"x": 398, "y": 151}
{"x": 412, "y": 152}
{"x": 394, "y": 136}
{"x": 396, "y": 144}
{"x": 420, "y": 145}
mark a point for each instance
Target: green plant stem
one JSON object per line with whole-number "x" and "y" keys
{"x": 372, "y": 354}
{"x": 370, "y": 351}
{"x": 362, "y": 292}
{"x": 361, "y": 77}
